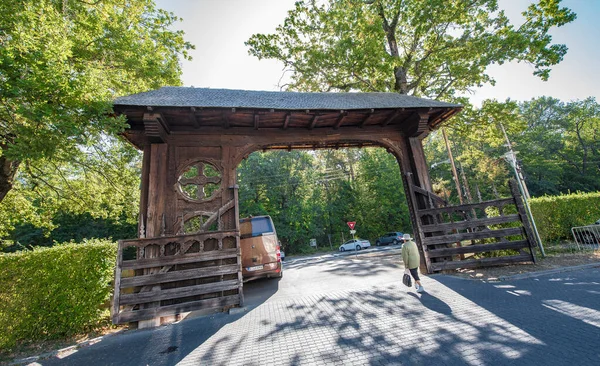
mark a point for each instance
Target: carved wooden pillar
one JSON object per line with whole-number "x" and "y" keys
{"x": 419, "y": 163}
{"x": 403, "y": 153}
{"x": 229, "y": 220}
{"x": 143, "y": 216}
{"x": 156, "y": 190}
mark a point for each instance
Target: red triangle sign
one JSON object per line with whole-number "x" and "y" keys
{"x": 351, "y": 224}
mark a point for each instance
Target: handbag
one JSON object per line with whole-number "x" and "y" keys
{"x": 406, "y": 279}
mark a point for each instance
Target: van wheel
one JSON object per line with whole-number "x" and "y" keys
{"x": 342, "y": 249}
{"x": 377, "y": 243}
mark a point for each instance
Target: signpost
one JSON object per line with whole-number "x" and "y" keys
{"x": 351, "y": 225}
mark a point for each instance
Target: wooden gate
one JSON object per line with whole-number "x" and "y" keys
{"x": 457, "y": 236}
{"x": 170, "y": 275}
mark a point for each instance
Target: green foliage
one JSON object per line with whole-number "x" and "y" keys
{"x": 557, "y": 145}
{"x": 69, "y": 227}
{"x": 560, "y": 145}
{"x": 313, "y": 195}
{"x": 556, "y": 215}
{"x": 92, "y": 193}
{"x": 50, "y": 293}
{"x": 63, "y": 62}
{"x": 432, "y": 48}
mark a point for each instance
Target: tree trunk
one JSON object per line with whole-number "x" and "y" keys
{"x": 8, "y": 170}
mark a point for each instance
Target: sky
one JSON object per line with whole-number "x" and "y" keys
{"x": 219, "y": 28}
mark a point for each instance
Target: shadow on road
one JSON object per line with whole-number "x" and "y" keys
{"x": 432, "y": 303}
{"x": 547, "y": 320}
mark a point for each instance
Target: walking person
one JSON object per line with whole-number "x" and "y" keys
{"x": 412, "y": 260}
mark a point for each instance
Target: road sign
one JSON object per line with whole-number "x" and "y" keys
{"x": 352, "y": 232}
{"x": 351, "y": 224}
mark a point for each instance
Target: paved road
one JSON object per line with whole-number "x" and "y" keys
{"x": 355, "y": 311}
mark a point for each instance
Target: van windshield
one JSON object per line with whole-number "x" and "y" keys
{"x": 256, "y": 226}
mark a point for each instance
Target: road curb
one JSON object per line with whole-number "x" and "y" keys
{"x": 521, "y": 276}
{"x": 63, "y": 352}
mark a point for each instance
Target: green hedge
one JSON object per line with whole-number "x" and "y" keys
{"x": 51, "y": 293}
{"x": 556, "y": 215}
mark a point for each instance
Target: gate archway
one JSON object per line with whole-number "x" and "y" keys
{"x": 187, "y": 253}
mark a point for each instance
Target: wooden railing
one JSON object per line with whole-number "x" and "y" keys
{"x": 170, "y": 275}
{"x": 455, "y": 236}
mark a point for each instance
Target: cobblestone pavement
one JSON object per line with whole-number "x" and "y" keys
{"x": 548, "y": 320}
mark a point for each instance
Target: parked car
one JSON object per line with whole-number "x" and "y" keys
{"x": 261, "y": 250}
{"x": 390, "y": 238}
{"x": 355, "y": 244}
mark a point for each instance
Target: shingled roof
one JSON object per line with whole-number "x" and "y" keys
{"x": 171, "y": 96}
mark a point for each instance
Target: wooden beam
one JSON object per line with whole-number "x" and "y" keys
{"x": 340, "y": 119}
{"x": 423, "y": 125}
{"x": 181, "y": 275}
{"x": 156, "y": 189}
{"x": 478, "y": 248}
{"x": 175, "y": 293}
{"x": 173, "y": 260}
{"x": 461, "y": 225}
{"x": 364, "y": 122}
{"x": 392, "y": 117}
{"x": 153, "y": 128}
{"x": 225, "y": 118}
{"x": 467, "y": 207}
{"x": 453, "y": 238}
{"x": 256, "y": 121}
{"x": 470, "y": 263}
{"x": 313, "y": 122}
{"x": 195, "y": 118}
{"x": 142, "y": 314}
{"x": 286, "y": 122}
{"x": 420, "y": 163}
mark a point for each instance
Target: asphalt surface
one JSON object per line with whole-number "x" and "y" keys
{"x": 354, "y": 310}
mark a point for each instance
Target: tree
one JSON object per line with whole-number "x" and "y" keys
{"x": 430, "y": 48}
{"x": 478, "y": 146}
{"x": 62, "y": 62}
{"x": 560, "y": 147}
{"x": 94, "y": 194}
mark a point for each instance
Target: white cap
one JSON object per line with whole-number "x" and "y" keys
{"x": 407, "y": 237}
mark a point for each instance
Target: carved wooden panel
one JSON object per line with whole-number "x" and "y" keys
{"x": 170, "y": 275}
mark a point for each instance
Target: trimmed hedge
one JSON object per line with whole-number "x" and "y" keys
{"x": 51, "y": 293}
{"x": 556, "y": 215}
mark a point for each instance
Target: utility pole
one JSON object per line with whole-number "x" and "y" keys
{"x": 466, "y": 184}
{"x": 511, "y": 156}
{"x": 454, "y": 174}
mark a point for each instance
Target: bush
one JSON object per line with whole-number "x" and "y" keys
{"x": 556, "y": 215}
{"x": 51, "y": 293}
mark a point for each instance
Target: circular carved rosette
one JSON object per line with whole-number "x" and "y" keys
{"x": 199, "y": 181}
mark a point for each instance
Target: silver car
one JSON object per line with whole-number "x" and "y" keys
{"x": 355, "y": 244}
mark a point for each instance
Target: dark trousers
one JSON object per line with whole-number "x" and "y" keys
{"x": 415, "y": 273}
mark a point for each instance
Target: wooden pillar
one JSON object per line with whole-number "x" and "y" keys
{"x": 156, "y": 190}
{"x": 156, "y": 210}
{"x": 143, "y": 215}
{"x": 419, "y": 163}
{"x": 403, "y": 152}
{"x": 229, "y": 220}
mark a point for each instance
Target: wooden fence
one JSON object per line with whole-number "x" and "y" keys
{"x": 167, "y": 276}
{"x": 458, "y": 236}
